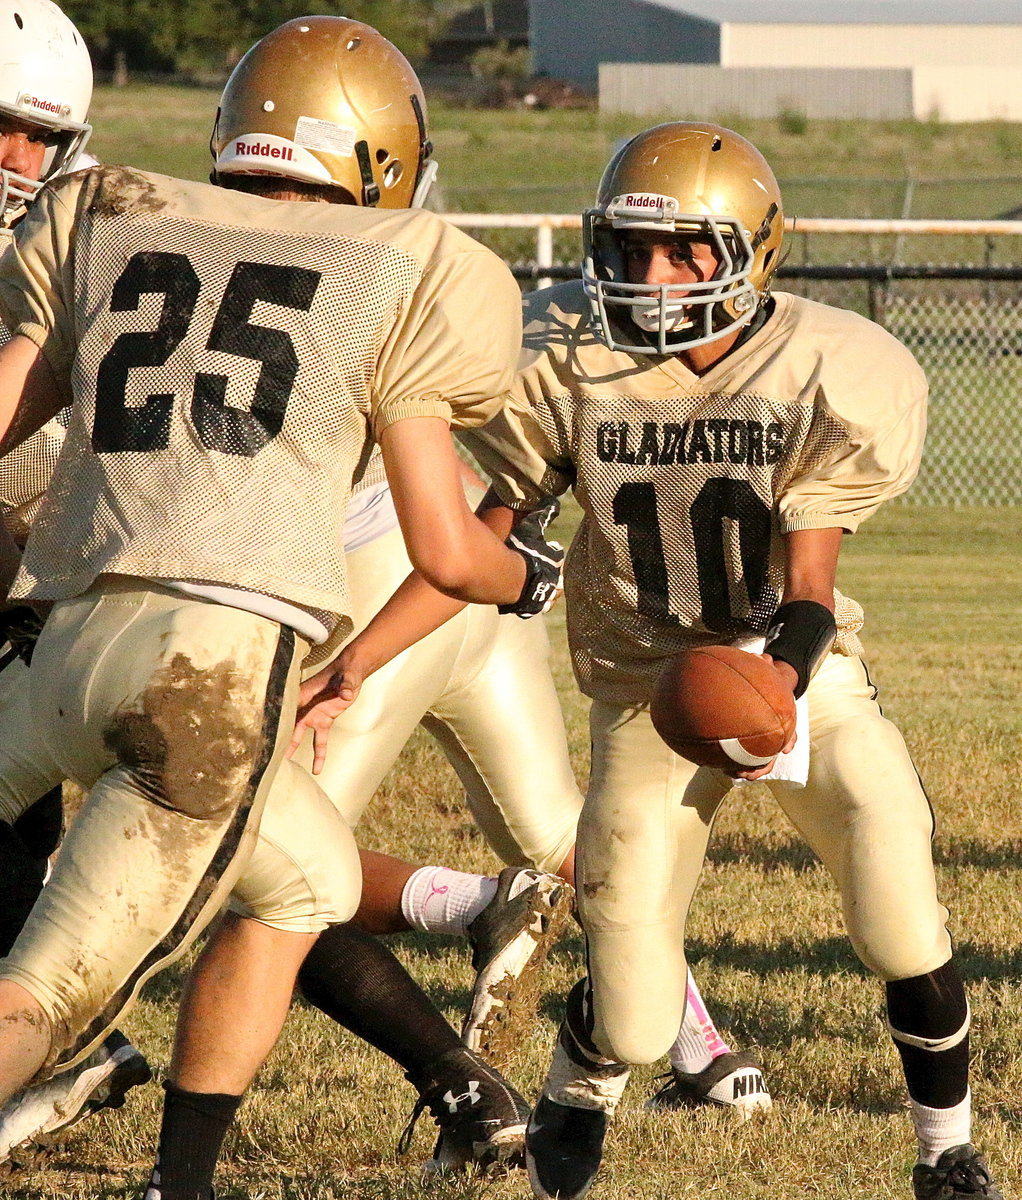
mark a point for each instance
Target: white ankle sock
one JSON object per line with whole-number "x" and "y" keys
{"x": 938, "y": 1129}
{"x": 698, "y": 1042}
{"x": 438, "y": 900}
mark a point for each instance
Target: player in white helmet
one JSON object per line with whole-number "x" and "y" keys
{"x": 45, "y": 91}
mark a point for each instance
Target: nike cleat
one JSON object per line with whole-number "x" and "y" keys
{"x": 732, "y": 1081}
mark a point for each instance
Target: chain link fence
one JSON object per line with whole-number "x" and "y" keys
{"x": 967, "y": 336}
{"x": 955, "y": 301}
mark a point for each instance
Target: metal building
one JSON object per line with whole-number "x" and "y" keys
{"x": 952, "y": 59}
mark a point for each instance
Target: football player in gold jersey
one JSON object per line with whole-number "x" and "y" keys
{"x": 721, "y": 441}
{"x": 279, "y": 332}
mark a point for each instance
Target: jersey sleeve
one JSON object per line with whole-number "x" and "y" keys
{"x": 37, "y": 277}
{"x": 526, "y": 447}
{"x": 453, "y": 349}
{"x": 882, "y": 407}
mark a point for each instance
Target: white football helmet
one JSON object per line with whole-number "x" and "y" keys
{"x": 45, "y": 81}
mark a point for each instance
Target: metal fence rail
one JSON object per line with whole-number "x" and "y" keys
{"x": 962, "y": 320}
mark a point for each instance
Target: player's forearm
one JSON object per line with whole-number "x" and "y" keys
{"x": 449, "y": 546}
{"x": 28, "y": 392}
{"x": 810, "y": 567}
{"x": 416, "y": 609}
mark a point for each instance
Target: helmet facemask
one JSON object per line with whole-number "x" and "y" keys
{"x": 63, "y": 146}
{"x": 673, "y": 317}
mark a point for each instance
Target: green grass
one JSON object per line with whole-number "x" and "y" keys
{"x": 941, "y": 590}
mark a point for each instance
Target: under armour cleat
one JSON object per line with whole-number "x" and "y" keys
{"x": 564, "y": 1140}
{"x": 35, "y": 1119}
{"x": 732, "y": 1081}
{"x": 510, "y": 939}
{"x": 481, "y": 1116}
{"x": 959, "y": 1172}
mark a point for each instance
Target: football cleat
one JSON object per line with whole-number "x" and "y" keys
{"x": 731, "y": 1081}
{"x": 37, "y": 1117}
{"x": 153, "y": 1191}
{"x": 959, "y": 1172}
{"x": 481, "y": 1116}
{"x": 510, "y": 939}
{"x": 563, "y": 1149}
{"x": 564, "y": 1140}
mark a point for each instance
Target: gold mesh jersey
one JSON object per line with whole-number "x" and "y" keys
{"x": 687, "y": 482}
{"x": 229, "y": 358}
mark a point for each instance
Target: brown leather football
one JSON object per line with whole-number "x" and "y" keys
{"x": 719, "y": 706}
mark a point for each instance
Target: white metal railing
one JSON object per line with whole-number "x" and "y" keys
{"x": 545, "y": 224}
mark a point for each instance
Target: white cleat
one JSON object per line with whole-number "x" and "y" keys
{"x": 732, "y": 1081}
{"x": 35, "y": 1118}
{"x": 510, "y": 939}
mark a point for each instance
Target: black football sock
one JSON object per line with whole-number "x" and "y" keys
{"x": 357, "y": 981}
{"x": 932, "y": 1008}
{"x": 42, "y": 826}
{"x": 193, "y": 1129}
{"x": 21, "y": 881}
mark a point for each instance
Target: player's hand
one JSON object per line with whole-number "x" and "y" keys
{"x": 321, "y": 700}
{"x": 790, "y": 677}
{"x": 543, "y": 562}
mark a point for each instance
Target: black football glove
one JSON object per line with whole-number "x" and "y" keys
{"x": 20, "y": 628}
{"x": 543, "y": 561}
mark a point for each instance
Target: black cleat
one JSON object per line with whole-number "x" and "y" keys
{"x": 564, "y": 1149}
{"x": 960, "y": 1171}
{"x": 564, "y": 1141}
{"x": 481, "y": 1116}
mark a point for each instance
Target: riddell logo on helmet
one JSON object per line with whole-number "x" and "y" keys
{"x": 645, "y": 200}
{"x": 263, "y": 150}
{"x": 37, "y": 104}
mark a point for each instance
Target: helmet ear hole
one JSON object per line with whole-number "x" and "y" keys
{"x": 768, "y": 258}
{"x": 393, "y": 173}
{"x": 382, "y": 156}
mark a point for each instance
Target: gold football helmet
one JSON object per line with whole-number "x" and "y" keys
{"x": 327, "y": 100}
{"x": 682, "y": 178}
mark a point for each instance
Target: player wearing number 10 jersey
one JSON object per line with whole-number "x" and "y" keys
{"x": 720, "y": 442}
{"x": 229, "y": 359}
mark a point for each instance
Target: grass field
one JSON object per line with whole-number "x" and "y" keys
{"x": 941, "y": 592}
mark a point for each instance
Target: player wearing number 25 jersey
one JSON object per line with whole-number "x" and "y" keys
{"x": 229, "y": 358}
{"x": 720, "y": 442}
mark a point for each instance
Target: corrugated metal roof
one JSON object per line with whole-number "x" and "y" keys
{"x": 849, "y": 12}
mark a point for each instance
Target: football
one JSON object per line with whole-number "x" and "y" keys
{"x": 719, "y": 706}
